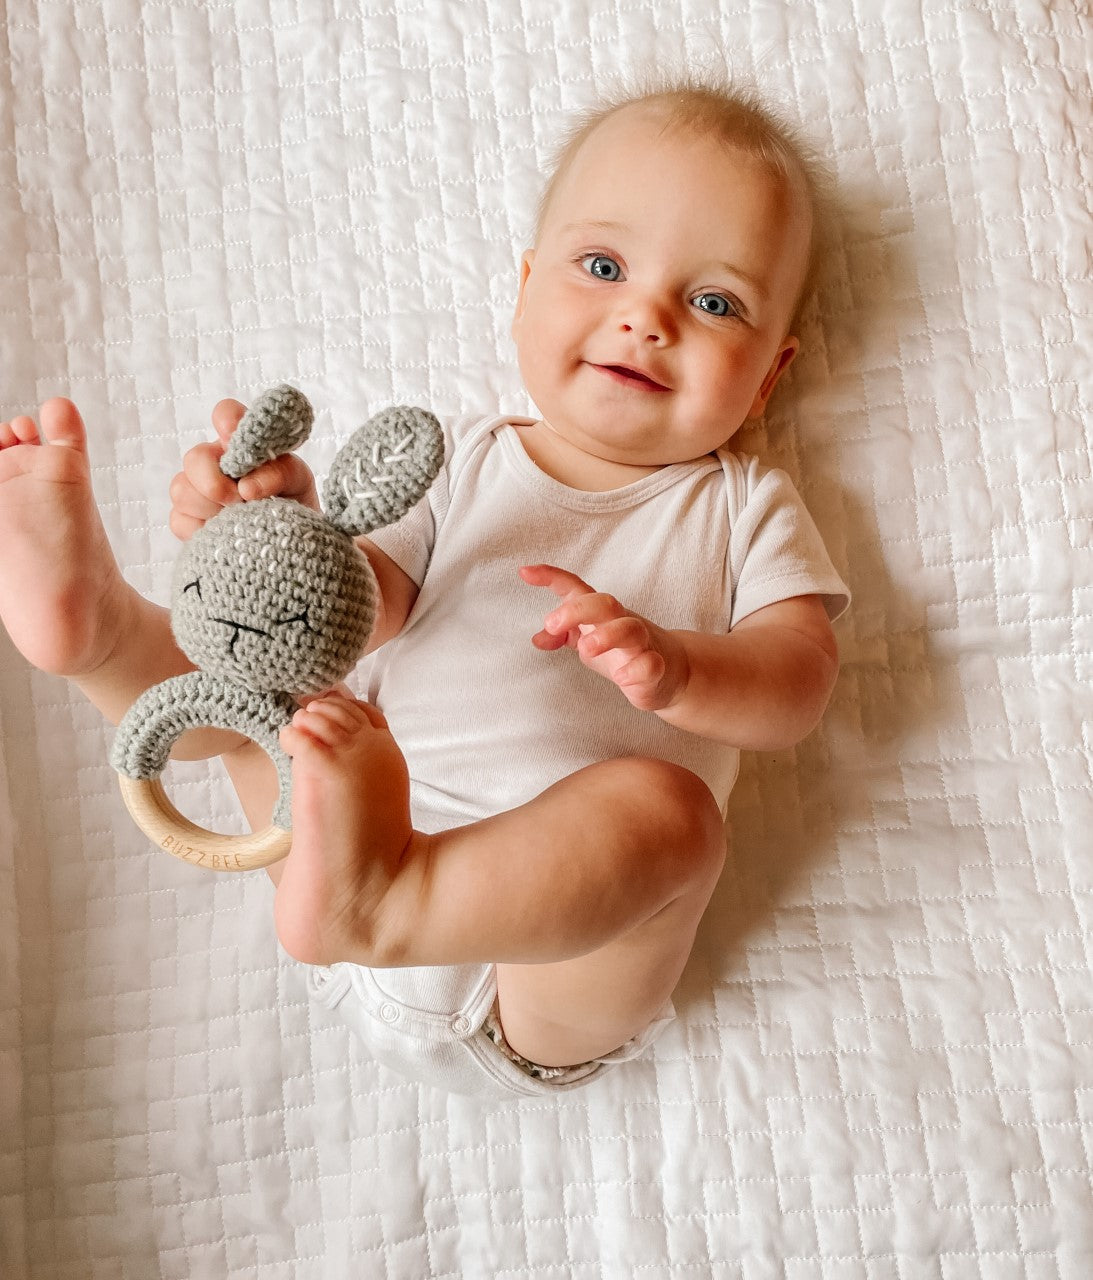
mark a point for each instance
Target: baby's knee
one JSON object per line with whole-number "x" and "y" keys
{"x": 681, "y": 809}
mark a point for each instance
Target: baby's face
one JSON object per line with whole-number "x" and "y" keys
{"x": 653, "y": 313}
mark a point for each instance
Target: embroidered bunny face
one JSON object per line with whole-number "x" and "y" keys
{"x": 274, "y": 596}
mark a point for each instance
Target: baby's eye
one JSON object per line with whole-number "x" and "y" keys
{"x": 716, "y": 304}
{"x": 601, "y": 266}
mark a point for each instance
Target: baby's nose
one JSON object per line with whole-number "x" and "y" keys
{"x": 648, "y": 314}
{"x": 655, "y": 334}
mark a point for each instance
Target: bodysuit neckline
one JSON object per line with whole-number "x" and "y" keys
{"x": 628, "y": 495}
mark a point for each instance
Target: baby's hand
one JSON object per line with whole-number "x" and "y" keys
{"x": 201, "y": 489}
{"x": 647, "y": 662}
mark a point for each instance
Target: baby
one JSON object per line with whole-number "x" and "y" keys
{"x": 500, "y": 858}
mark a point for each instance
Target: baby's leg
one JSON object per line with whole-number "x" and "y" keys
{"x": 587, "y": 898}
{"x": 63, "y": 599}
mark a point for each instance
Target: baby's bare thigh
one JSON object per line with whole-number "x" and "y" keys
{"x": 571, "y": 1011}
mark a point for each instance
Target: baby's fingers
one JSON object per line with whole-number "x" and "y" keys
{"x": 201, "y": 470}
{"x": 187, "y": 500}
{"x": 591, "y": 610}
{"x": 621, "y": 633}
{"x": 560, "y": 581}
{"x": 548, "y": 643}
{"x": 285, "y": 477}
{"x": 182, "y": 526}
{"x": 226, "y": 417}
{"x": 640, "y": 680}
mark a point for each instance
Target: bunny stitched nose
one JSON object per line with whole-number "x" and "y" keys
{"x": 237, "y": 627}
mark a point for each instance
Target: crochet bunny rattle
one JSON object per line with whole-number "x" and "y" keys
{"x": 270, "y": 599}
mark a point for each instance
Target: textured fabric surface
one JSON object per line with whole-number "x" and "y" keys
{"x": 883, "y": 1059}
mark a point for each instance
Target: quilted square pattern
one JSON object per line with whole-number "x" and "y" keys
{"x": 883, "y": 1067}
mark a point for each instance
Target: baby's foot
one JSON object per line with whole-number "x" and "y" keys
{"x": 63, "y": 600}
{"x": 350, "y": 831}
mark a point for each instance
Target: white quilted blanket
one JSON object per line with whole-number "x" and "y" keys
{"x": 884, "y": 1065}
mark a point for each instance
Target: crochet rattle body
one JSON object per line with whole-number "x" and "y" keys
{"x": 271, "y": 600}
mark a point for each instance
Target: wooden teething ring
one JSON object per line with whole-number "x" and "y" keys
{"x": 162, "y": 823}
{"x": 142, "y": 746}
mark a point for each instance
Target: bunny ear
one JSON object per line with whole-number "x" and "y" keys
{"x": 383, "y": 469}
{"x": 278, "y": 421}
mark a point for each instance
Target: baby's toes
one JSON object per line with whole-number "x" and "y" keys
{"x": 339, "y": 712}
{"x": 311, "y": 729}
{"x": 20, "y": 430}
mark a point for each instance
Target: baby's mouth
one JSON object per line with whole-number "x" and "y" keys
{"x": 628, "y": 375}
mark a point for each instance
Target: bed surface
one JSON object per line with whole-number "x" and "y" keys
{"x": 884, "y": 1065}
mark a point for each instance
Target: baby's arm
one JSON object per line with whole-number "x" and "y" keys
{"x": 765, "y": 685}
{"x": 761, "y": 687}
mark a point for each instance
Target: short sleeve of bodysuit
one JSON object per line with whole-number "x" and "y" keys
{"x": 775, "y": 549}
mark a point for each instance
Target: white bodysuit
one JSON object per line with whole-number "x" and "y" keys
{"x": 487, "y": 722}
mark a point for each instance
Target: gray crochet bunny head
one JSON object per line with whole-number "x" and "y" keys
{"x": 274, "y": 596}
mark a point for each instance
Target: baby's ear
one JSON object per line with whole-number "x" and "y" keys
{"x": 526, "y": 259}
{"x": 383, "y": 469}
{"x": 278, "y": 422}
{"x": 781, "y": 362}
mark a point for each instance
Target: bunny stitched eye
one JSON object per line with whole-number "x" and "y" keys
{"x": 195, "y": 585}
{"x": 300, "y": 617}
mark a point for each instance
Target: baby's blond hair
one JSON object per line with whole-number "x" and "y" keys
{"x": 705, "y": 104}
